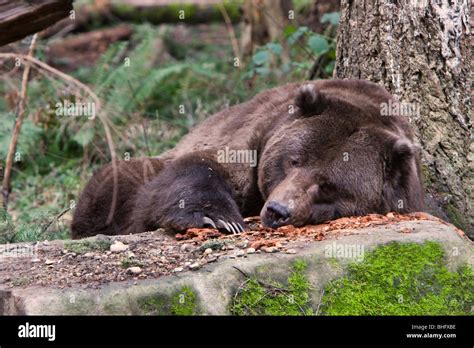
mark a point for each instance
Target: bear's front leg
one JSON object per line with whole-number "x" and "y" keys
{"x": 191, "y": 191}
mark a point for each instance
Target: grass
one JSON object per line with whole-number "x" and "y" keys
{"x": 402, "y": 279}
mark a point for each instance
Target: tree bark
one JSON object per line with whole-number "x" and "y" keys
{"x": 420, "y": 50}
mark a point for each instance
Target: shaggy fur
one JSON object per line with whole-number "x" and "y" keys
{"x": 324, "y": 151}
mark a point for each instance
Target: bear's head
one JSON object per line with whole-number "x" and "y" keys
{"x": 338, "y": 157}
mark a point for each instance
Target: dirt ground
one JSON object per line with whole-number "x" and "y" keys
{"x": 103, "y": 259}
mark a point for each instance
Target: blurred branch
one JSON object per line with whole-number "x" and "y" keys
{"x": 16, "y": 130}
{"x": 230, "y": 29}
{"x": 98, "y": 105}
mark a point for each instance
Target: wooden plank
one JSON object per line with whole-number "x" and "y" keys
{"x": 22, "y": 18}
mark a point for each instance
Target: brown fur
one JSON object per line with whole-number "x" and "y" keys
{"x": 92, "y": 211}
{"x": 335, "y": 155}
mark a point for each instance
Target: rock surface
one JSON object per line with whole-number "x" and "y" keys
{"x": 159, "y": 276}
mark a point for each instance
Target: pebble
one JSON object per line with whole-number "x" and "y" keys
{"x": 186, "y": 247}
{"x": 251, "y": 251}
{"x": 270, "y": 249}
{"x": 242, "y": 244}
{"x": 240, "y": 253}
{"x": 291, "y": 251}
{"x": 194, "y": 266}
{"x": 35, "y": 260}
{"x": 49, "y": 262}
{"x": 88, "y": 254}
{"x": 212, "y": 259}
{"x": 186, "y": 264}
{"x": 134, "y": 270}
{"x": 208, "y": 251}
{"x": 118, "y": 247}
{"x": 178, "y": 269}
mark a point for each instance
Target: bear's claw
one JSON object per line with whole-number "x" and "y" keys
{"x": 230, "y": 227}
{"x": 208, "y": 221}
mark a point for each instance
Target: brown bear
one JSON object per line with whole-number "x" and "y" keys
{"x": 297, "y": 154}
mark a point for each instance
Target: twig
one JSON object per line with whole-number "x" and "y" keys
{"x": 55, "y": 219}
{"x": 262, "y": 283}
{"x": 230, "y": 29}
{"x": 319, "y": 303}
{"x": 243, "y": 273}
{"x": 146, "y": 139}
{"x": 17, "y": 128}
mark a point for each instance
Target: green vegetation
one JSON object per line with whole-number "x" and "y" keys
{"x": 85, "y": 246}
{"x": 258, "y": 298}
{"x": 401, "y": 279}
{"x": 21, "y": 281}
{"x": 457, "y": 219}
{"x": 131, "y": 262}
{"x": 183, "y": 302}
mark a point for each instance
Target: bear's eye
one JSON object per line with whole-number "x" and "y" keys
{"x": 294, "y": 161}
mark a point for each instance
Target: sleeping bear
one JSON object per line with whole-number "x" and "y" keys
{"x": 298, "y": 154}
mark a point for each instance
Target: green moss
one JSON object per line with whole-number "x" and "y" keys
{"x": 21, "y": 281}
{"x": 401, "y": 279}
{"x": 154, "y": 305}
{"x": 273, "y": 298}
{"x": 86, "y": 246}
{"x": 455, "y": 216}
{"x": 130, "y": 262}
{"x": 214, "y": 244}
{"x": 428, "y": 177}
{"x": 183, "y": 302}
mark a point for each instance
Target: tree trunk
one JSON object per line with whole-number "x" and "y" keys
{"x": 420, "y": 50}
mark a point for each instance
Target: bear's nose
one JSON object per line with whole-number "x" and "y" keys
{"x": 276, "y": 215}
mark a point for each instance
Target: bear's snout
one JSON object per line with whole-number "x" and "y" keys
{"x": 276, "y": 214}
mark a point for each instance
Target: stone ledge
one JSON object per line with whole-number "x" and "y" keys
{"x": 214, "y": 285}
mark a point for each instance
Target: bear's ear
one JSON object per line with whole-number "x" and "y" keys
{"x": 400, "y": 156}
{"x": 402, "y": 183}
{"x": 310, "y": 101}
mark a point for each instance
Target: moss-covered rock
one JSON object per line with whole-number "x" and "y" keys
{"x": 402, "y": 279}
{"x": 427, "y": 271}
{"x": 261, "y": 298}
{"x": 182, "y": 302}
